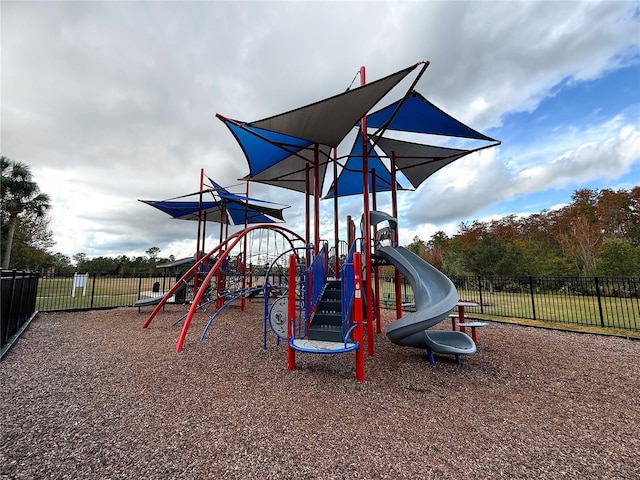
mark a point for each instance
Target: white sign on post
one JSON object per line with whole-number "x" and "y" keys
{"x": 79, "y": 281}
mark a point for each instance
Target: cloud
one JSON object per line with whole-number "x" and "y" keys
{"x": 607, "y": 158}
{"x": 109, "y": 102}
{"x": 473, "y": 183}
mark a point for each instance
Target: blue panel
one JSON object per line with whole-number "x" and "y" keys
{"x": 264, "y": 148}
{"x": 237, "y": 207}
{"x": 419, "y": 115}
{"x": 237, "y": 213}
{"x": 179, "y": 209}
{"x": 350, "y": 179}
{"x": 225, "y": 194}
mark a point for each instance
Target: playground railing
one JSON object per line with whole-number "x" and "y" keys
{"x": 341, "y": 252}
{"x": 283, "y": 286}
{"x": 316, "y": 277}
{"x": 347, "y": 281}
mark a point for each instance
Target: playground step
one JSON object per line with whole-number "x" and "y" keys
{"x": 326, "y": 333}
{"x": 316, "y": 346}
{"x": 327, "y": 318}
{"x": 332, "y": 290}
{"x": 330, "y": 305}
{"x": 326, "y": 324}
{"x": 332, "y": 294}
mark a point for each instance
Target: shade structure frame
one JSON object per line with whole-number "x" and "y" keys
{"x": 318, "y": 130}
{"x": 383, "y": 176}
{"x": 218, "y": 210}
{"x": 289, "y": 171}
{"x": 399, "y": 115}
{"x": 299, "y": 124}
{"x": 418, "y": 161}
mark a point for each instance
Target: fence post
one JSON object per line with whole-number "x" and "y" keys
{"x": 599, "y": 302}
{"x": 93, "y": 288}
{"x": 33, "y": 291}
{"x": 10, "y": 311}
{"x": 533, "y": 303}
{"x": 404, "y": 289}
{"x": 21, "y": 302}
{"x": 480, "y": 293}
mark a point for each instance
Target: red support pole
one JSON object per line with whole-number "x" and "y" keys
{"x": 367, "y": 226}
{"x": 336, "y": 222}
{"x": 204, "y": 231}
{"x": 220, "y": 285}
{"x": 316, "y": 199}
{"x": 394, "y": 210}
{"x": 244, "y": 251}
{"x": 357, "y": 269}
{"x": 195, "y": 278}
{"x": 291, "y": 316}
{"x": 307, "y": 194}
{"x": 376, "y": 270}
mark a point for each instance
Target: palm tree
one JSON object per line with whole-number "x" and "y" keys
{"x": 20, "y": 196}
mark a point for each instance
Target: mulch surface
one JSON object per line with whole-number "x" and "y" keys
{"x": 92, "y": 395}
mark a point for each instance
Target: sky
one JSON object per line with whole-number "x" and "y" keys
{"x": 111, "y": 102}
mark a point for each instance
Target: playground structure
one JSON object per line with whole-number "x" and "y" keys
{"x": 331, "y": 291}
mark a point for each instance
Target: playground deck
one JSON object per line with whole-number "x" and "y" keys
{"x": 93, "y": 395}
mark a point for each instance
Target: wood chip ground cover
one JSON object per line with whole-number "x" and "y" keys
{"x": 93, "y": 395}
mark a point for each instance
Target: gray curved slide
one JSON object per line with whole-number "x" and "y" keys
{"x": 435, "y": 297}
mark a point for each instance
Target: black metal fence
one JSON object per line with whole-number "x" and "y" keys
{"x": 17, "y": 304}
{"x": 94, "y": 291}
{"x": 605, "y": 302}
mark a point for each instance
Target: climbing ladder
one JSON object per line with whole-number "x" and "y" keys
{"x": 326, "y": 323}
{"x": 330, "y": 329}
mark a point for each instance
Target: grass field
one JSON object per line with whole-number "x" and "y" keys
{"x": 58, "y": 294}
{"x": 618, "y": 313}
{"x": 564, "y": 309}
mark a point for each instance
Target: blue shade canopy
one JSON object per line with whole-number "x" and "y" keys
{"x": 278, "y": 159}
{"x": 279, "y": 149}
{"x": 219, "y": 212}
{"x": 239, "y": 206}
{"x": 184, "y": 210}
{"x": 349, "y": 181}
{"x": 263, "y": 148}
{"x": 417, "y": 114}
{"x": 228, "y": 208}
{"x": 328, "y": 121}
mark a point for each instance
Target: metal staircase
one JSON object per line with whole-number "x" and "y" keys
{"x": 326, "y": 323}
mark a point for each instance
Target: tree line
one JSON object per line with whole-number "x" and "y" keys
{"x": 26, "y": 238}
{"x": 598, "y": 233}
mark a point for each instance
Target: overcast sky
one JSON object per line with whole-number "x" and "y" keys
{"x": 113, "y": 102}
